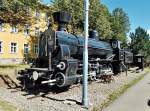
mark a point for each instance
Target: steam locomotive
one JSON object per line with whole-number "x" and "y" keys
{"x": 60, "y": 59}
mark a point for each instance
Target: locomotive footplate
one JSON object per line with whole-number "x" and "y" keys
{"x": 65, "y": 74}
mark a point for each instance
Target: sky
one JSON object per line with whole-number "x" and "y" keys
{"x": 138, "y": 11}
{"x": 46, "y": 1}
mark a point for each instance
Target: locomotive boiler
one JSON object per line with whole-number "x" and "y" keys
{"x": 60, "y": 59}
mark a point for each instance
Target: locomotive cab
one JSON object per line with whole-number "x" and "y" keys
{"x": 117, "y": 49}
{"x": 118, "y": 63}
{"x": 123, "y": 57}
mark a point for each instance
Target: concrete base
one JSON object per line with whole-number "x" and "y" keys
{"x": 11, "y": 61}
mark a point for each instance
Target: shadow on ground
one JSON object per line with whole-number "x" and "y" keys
{"x": 38, "y": 91}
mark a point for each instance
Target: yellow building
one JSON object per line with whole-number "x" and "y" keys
{"x": 17, "y": 43}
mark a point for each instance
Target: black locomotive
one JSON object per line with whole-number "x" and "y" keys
{"x": 60, "y": 60}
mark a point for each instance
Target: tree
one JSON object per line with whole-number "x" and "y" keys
{"x": 75, "y": 8}
{"x": 140, "y": 42}
{"x": 4, "y": 8}
{"x": 17, "y": 10}
{"x": 31, "y": 3}
{"x": 99, "y": 19}
{"x": 98, "y": 15}
{"x": 3, "y": 5}
{"x": 120, "y": 24}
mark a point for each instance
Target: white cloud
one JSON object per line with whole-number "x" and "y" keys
{"x": 128, "y": 38}
{"x": 148, "y": 31}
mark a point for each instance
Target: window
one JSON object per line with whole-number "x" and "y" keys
{"x": 46, "y": 17}
{"x": 1, "y": 46}
{"x": 35, "y": 48}
{"x": 37, "y": 31}
{"x": 26, "y": 48}
{"x": 37, "y": 14}
{"x": 49, "y": 23}
{"x": 1, "y": 26}
{"x": 27, "y": 11}
{"x": 14, "y": 29}
{"x": 27, "y": 29}
{"x": 13, "y": 47}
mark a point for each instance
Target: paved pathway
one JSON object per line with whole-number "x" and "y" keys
{"x": 134, "y": 99}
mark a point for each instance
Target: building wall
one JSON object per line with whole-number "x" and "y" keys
{"x": 6, "y": 57}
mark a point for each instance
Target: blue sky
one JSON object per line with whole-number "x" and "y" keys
{"x": 46, "y": 1}
{"x": 137, "y": 10}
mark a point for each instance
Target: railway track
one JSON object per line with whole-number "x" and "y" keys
{"x": 37, "y": 92}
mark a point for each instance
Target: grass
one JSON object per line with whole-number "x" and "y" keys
{"x": 11, "y": 68}
{"x": 5, "y": 106}
{"x": 113, "y": 96}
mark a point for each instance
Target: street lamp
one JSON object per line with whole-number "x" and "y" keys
{"x": 85, "y": 102}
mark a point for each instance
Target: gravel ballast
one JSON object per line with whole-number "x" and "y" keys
{"x": 69, "y": 100}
